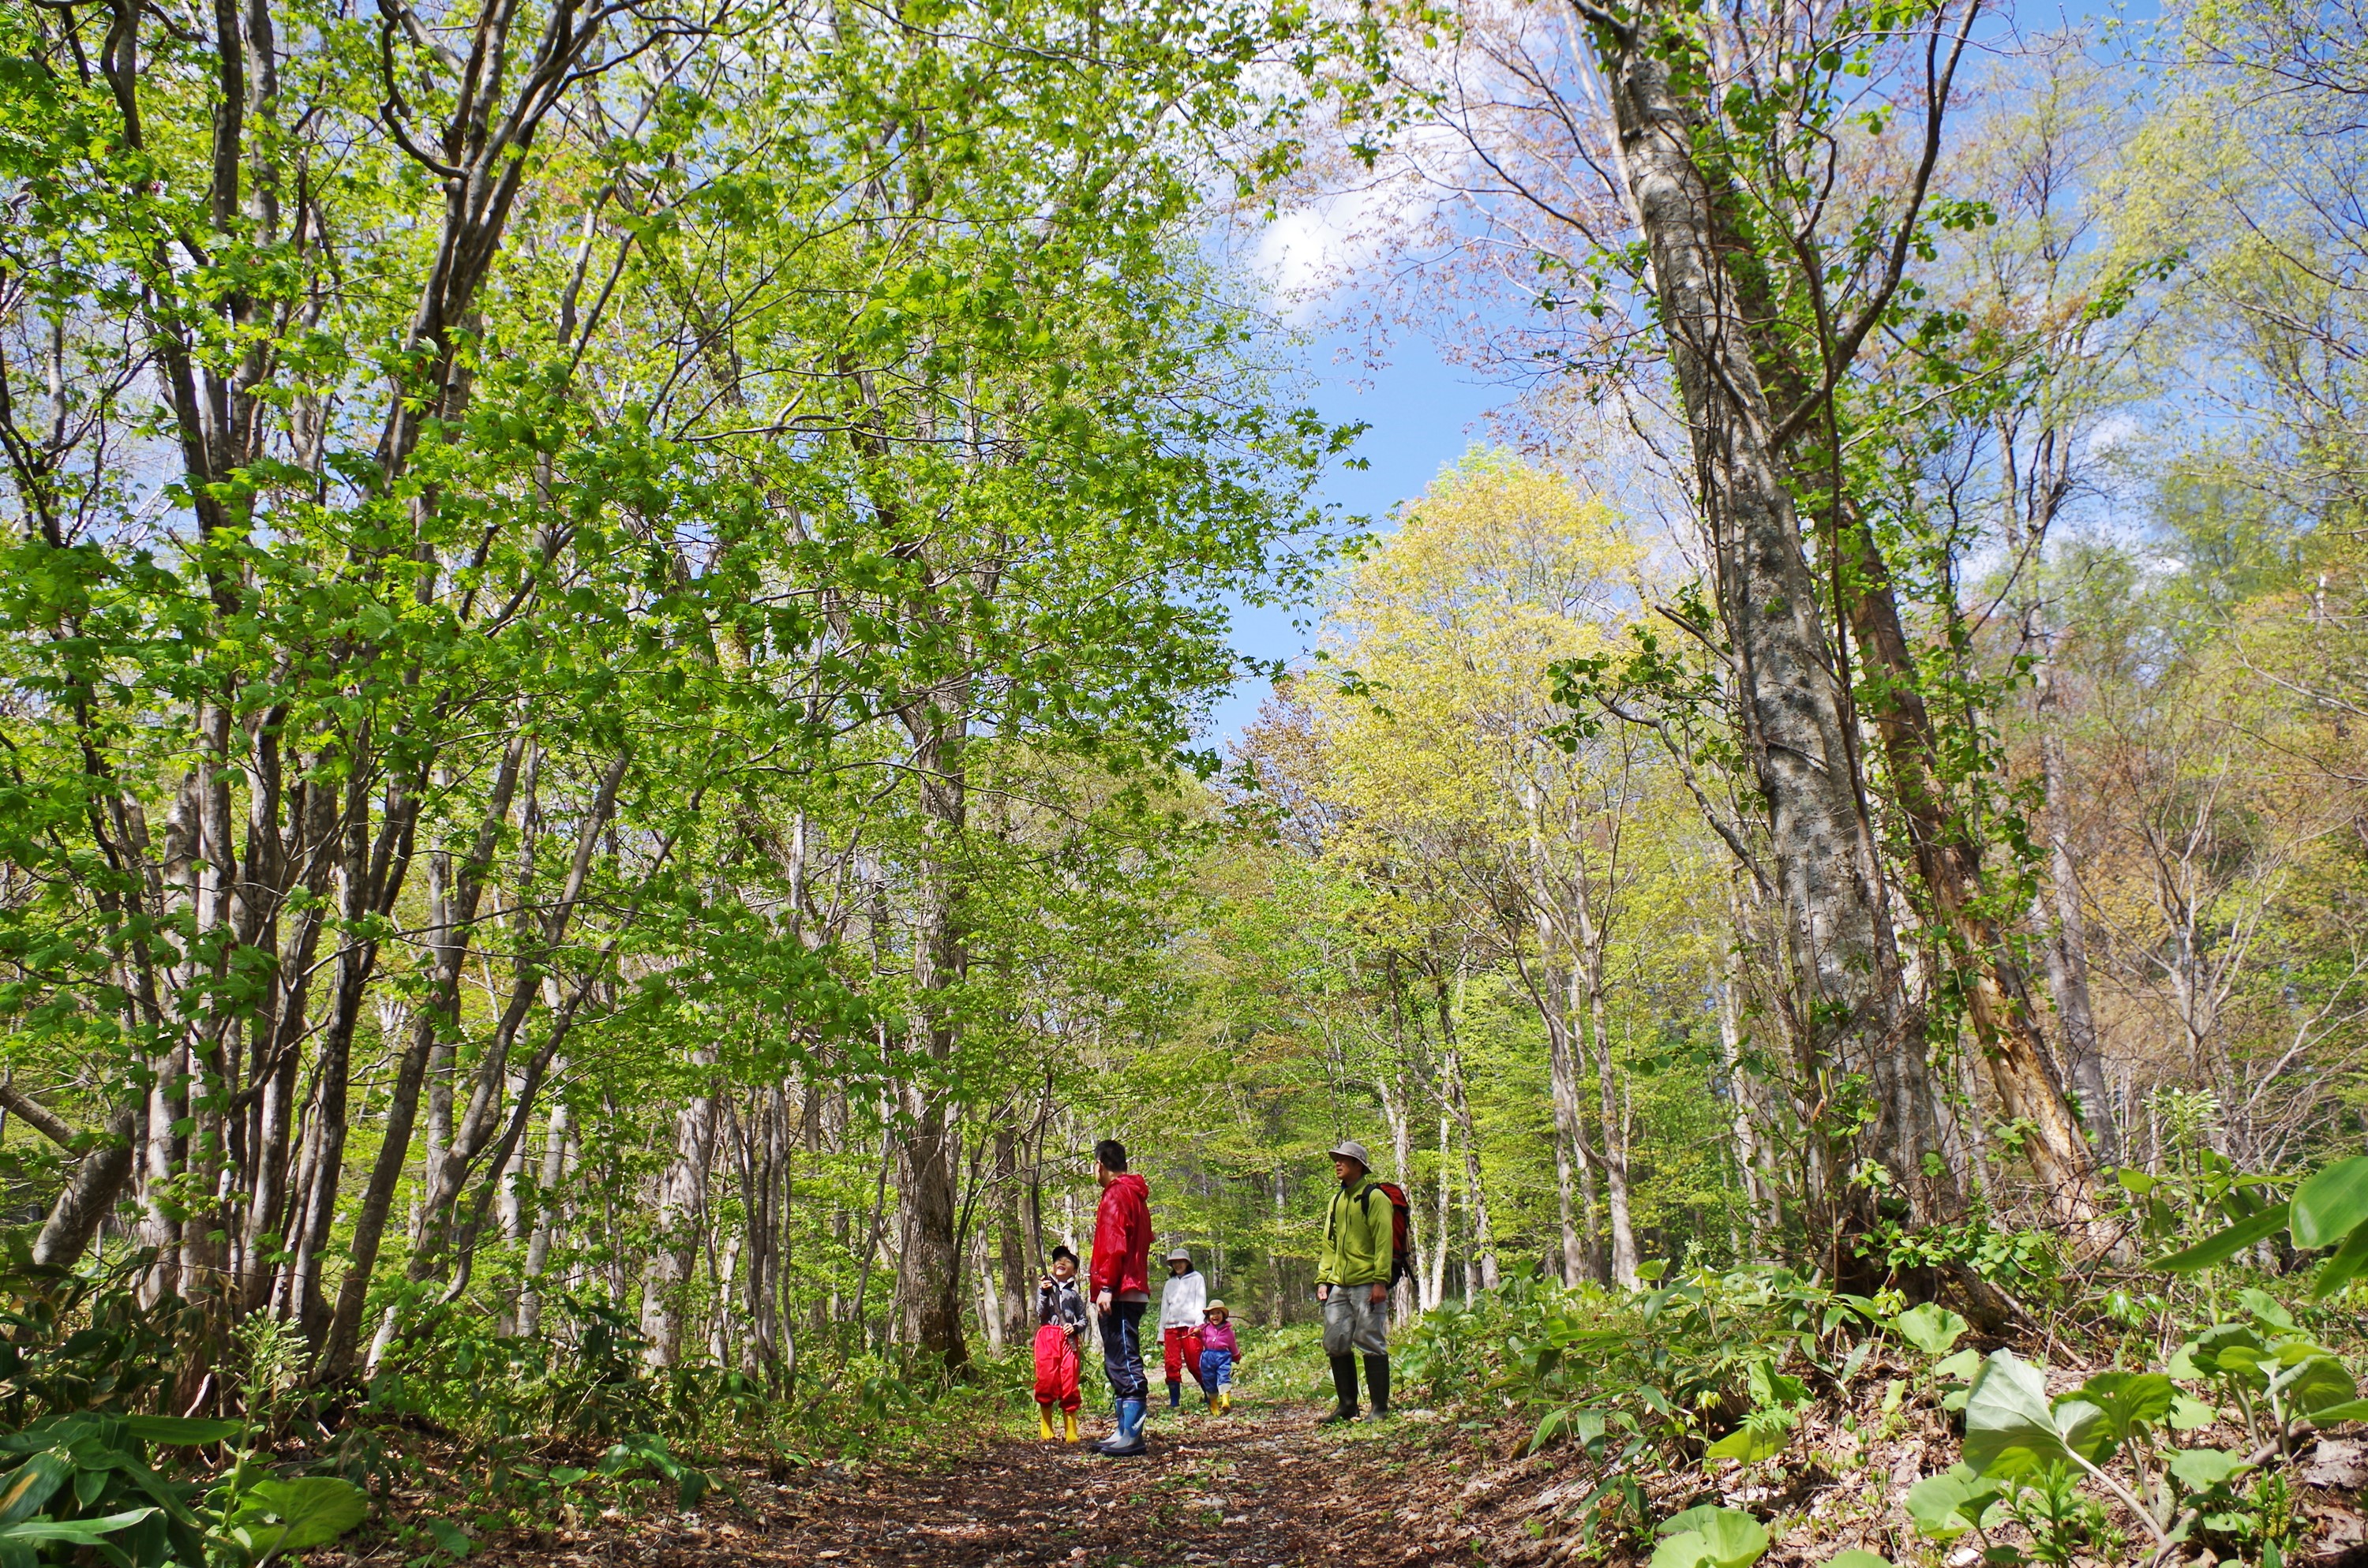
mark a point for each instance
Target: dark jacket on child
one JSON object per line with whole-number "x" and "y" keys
{"x": 1060, "y": 1302}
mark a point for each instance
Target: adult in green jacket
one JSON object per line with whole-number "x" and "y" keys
{"x": 1352, "y": 1280}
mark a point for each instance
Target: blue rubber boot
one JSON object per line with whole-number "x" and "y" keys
{"x": 1128, "y": 1443}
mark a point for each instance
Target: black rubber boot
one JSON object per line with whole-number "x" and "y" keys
{"x": 1377, "y": 1383}
{"x": 1344, "y": 1386}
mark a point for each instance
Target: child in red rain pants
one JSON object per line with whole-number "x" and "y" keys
{"x": 1183, "y": 1300}
{"x": 1061, "y": 1325}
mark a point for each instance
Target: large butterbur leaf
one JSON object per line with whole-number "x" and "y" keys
{"x": 2009, "y": 1425}
{"x": 1748, "y": 1443}
{"x": 1709, "y": 1538}
{"x": 2351, "y": 1410}
{"x": 2332, "y": 1204}
{"x": 2315, "y": 1384}
{"x": 1948, "y": 1505}
{"x": 2200, "y": 1468}
{"x": 296, "y": 1515}
{"x": 1933, "y": 1330}
{"x": 2128, "y": 1404}
{"x": 2227, "y": 1350}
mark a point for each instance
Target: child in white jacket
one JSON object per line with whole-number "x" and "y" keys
{"x": 1183, "y": 1304}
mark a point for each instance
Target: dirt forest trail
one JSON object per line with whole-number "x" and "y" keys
{"x": 1249, "y": 1490}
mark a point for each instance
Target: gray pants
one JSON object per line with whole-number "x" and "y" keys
{"x": 1354, "y": 1321}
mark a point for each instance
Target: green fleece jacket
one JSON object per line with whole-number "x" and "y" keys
{"x": 1359, "y": 1233}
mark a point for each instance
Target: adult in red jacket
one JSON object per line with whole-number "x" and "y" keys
{"x": 1120, "y": 1279}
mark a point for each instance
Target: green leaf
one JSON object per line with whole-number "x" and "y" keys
{"x": 450, "y": 1539}
{"x": 1709, "y": 1538}
{"x": 2129, "y": 1402}
{"x": 2010, "y": 1427}
{"x": 2350, "y": 1261}
{"x": 1962, "y": 1366}
{"x": 1931, "y": 1329}
{"x": 2230, "y": 1351}
{"x": 2222, "y": 1245}
{"x": 2189, "y": 1414}
{"x": 1855, "y": 1558}
{"x": 2200, "y": 1468}
{"x": 77, "y": 1532}
{"x": 2266, "y": 1308}
{"x": 34, "y": 1483}
{"x": 566, "y": 1475}
{"x": 2084, "y": 1429}
{"x": 1748, "y": 1443}
{"x": 181, "y": 1430}
{"x": 2332, "y": 1204}
{"x": 297, "y": 1515}
{"x": 2314, "y": 1383}
{"x": 2327, "y": 1415}
{"x": 1771, "y": 1390}
{"x": 1947, "y": 1505}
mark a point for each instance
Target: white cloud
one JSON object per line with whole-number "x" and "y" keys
{"x": 2114, "y": 430}
{"x": 1329, "y": 243}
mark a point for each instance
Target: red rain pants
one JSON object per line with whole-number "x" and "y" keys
{"x": 1056, "y": 1368}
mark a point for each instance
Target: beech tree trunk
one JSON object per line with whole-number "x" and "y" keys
{"x": 2068, "y": 933}
{"x": 1849, "y": 1012}
{"x": 681, "y": 1199}
{"x": 1482, "y": 1267}
{"x": 1948, "y": 862}
{"x": 1017, "y": 1268}
{"x": 930, "y": 1275}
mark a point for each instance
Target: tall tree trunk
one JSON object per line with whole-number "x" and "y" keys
{"x": 1746, "y": 1140}
{"x": 453, "y": 914}
{"x": 2068, "y": 933}
{"x": 1849, "y": 1013}
{"x": 1434, "y": 1284}
{"x": 1483, "y": 1242}
{"x": 1948, "y": 862}
{"x": 680, "y": 1217}
{"x": 1274, "y": 1303}
{"x": 932, "y": 1264}
{"x": 1615, "y": 1126}
{"x": 1017, "y": 1269}
{"x": 88, "y": 1196}
{"x": 1550, "y": 993}
{"x": 548, "y": 1201}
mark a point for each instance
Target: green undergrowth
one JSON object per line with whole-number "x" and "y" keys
{"x": 2120, "y": 1414}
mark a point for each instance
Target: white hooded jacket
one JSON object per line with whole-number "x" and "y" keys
{"x": 1184, "y": 1301}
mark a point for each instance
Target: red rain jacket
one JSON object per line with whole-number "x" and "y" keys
{"x": 1122, "y": 1239}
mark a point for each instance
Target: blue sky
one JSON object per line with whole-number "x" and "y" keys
{"x": 1422, "y": 415}
{"x": 1423, "y": 412}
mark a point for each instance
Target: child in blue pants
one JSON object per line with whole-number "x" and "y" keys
{"x": 1220, "y": 1352}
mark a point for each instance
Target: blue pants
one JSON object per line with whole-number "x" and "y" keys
{"x": 1122, "y": 1350}
{"x": 1216, "y": 1369}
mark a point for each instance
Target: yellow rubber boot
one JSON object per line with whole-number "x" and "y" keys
{"x": 1044, "y": 1423}
{"x": 1224, "y": 1400}
{"x": 1070, "y": 1419}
